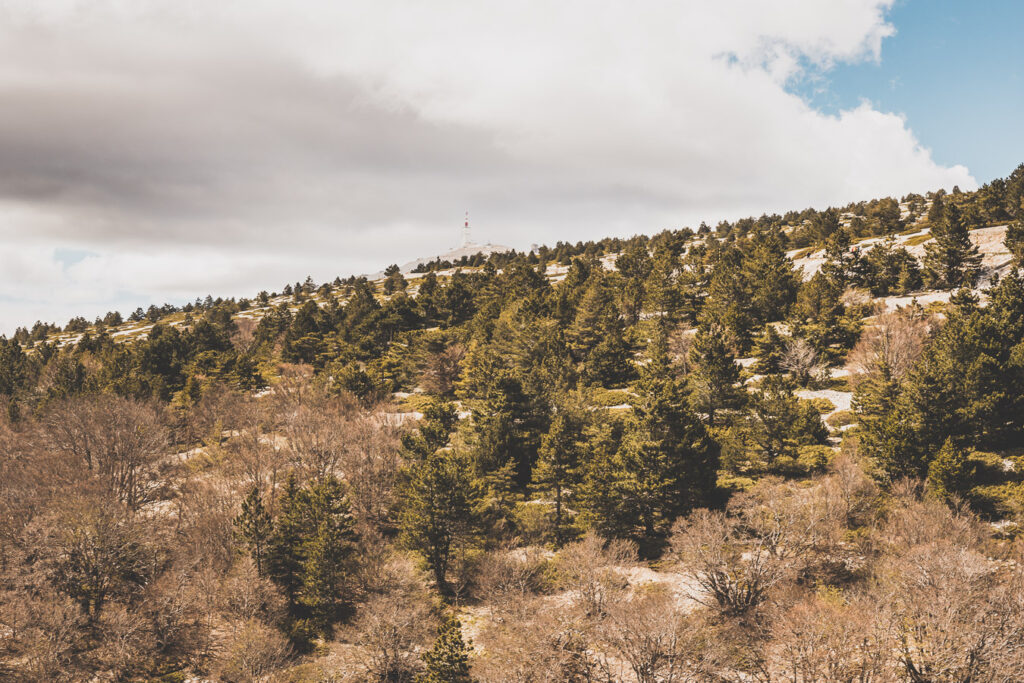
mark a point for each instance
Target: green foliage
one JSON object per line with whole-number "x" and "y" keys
{"x": 557, "y": 470}
{"x": 822, "y": 405}
{"x": 770, "y": 348}
{"x": 715, "y": 379}
{"x": 661, "y": 466}
{"x": 253, "y": 528}
{"x": 1015, "y": 241}
{"x": 951, "y": 260}
{"x": 917, "y": 239}
{"x": 966, "y": 386}
{"x": 311, "y": 550}
{"x": 890, "y": 270}
{"x": 439, "y": 419}
{"x": 948, "y": 472}
{"x": 779, "y": 423}
{"x": 448, "y": 660}
{"x": 439, "y": 510}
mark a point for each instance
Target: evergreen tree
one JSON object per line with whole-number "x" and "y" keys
{"x": 557, "y": 465}
{"x": 253, "y": 528}
{"x": 937, "y": 209}
{"x": 439, "y": 506}
{"x": 773, "y": 282}
{"x": 780, "y": 423}
{"x": 951, "y": 260}
{"x": 448, "y": 660}
{"x": 434, "y": 429}
{"x": 664, "y": 465}
{"x": 633, "y": 265}
{"x": 821, "y": 318}
{"x": 729, "y": 299}
{"x": 610, "y": 363}
{"x": 769, "y": 348}
{"x": 327, "y": 551}
{"x": 715, "y": 376}
{"x": 394, "y": 281}
{"x": 664, "y": 296}
{"x": 595, "y": 316}
{"x": 284, "y": 552}
{"x": 949, "y": 472}
{"x": 1014, "y": 242}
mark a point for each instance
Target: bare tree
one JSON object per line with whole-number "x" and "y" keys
{"x": 245, "y": 334}
{"x": 393, "y": 630}
{"x": 801, "y": 360}
{"x": 588, "y": 568}
{"x": 660, "y": 643}
{"x": 542, "y": 645}
{"x": 442, "y": 370}
{"x": 832, "y": 639}
{"x": 91, "y": 549}
{"x": 957, "y": 616}
{"x": 508, "y": 578}
{"x": 851, "y": 492}
{"x": 734, "y": 573}
{"x": 118, "y": 439}
{"x": 42, "y": 631}
{"x": 253, "y": 653}
{"x": 316, "y": 433}
{"x": 370, "y": 462}
{"x": 893, "y": 342}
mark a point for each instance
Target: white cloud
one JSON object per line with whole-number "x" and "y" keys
{"x": 228, "y": 147}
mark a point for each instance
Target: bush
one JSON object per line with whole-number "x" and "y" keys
{"x": 822, "y": 405}
{"x": 534, "y": 521}
{"x": 841, "y": 418}
{"x": 920, "y": 239}
{"x": 812, "y": 459}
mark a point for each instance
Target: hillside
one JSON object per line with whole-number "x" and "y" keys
{"x": 789, "y": 448}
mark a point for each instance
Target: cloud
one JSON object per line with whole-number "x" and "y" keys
{"x": 230, "y": 147}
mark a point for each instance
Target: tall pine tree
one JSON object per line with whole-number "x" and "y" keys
{"x": 253, "y": 528}
{"x": 951, "y": 260}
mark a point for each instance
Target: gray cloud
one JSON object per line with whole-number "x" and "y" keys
{"x": 234, "y": 146}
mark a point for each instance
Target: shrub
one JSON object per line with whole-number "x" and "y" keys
{"x": 841, "y": 418}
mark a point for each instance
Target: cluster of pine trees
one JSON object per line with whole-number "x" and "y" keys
{"x": 605, "y": 402}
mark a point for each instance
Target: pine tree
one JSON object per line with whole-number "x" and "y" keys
{"x": 951, "y": 260}
{"x": 664, "y": 295}
{"x": 439, "y": 511}
{"x": 253, "y": 528}
{"x": 1014, "y": 242}
{"x": 729, "y": 299}
{"x": 284, "y": 552}
{"x": 949, "y": 472}
{"x": 634, "y": 265}
{"x": 557, "y": 465}
{"x": 937, "y": 209}
{"x": 594, "y": 317}
{"x": 769, "y": 348}
{"x": 780, "y": 423}
{"x": 772, "y": 278}
{"x": 327, "y": 550}
{"x": 610, "y": 363}
{"x": 448, "y": 660}
{"x": 434, "y": 429}
{"x": 715, "y": 376}
{"x": 394, "y": 281}
{"x": 664, "y": 465}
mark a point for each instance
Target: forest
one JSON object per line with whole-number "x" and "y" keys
{"x": 785, "y": 448}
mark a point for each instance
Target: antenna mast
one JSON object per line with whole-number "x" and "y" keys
{"x": 465, "y": 232}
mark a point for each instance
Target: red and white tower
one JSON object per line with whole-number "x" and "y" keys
{"x": 465, "y": 232}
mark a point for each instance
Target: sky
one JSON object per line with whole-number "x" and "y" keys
{"x": 157, "y": 151}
